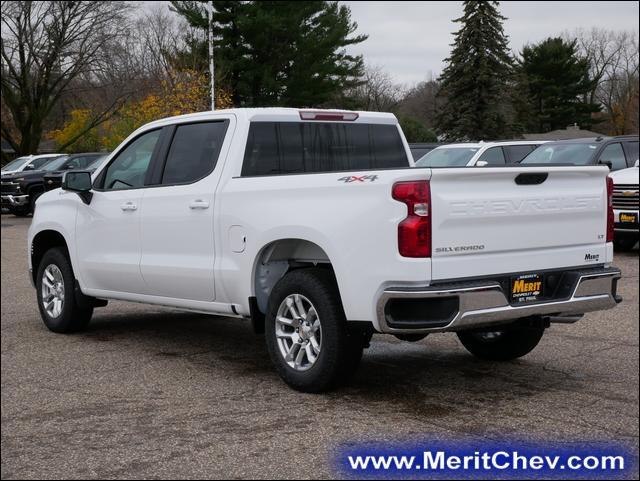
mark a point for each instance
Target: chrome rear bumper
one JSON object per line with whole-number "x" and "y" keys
{"x": 487, "y": 304}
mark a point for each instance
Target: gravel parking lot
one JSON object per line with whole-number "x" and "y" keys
{"x": 148, "y": 392}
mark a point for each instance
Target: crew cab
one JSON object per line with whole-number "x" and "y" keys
{"x": 28, "y": 162}
{"x": 625, "y": 207}
{"x": 479, "y": 154}
{"x": 23, "y": 188}
{"x": 312, "y": 224}
{"x": 13, "y": 198}
{"x": 52, "y": 177}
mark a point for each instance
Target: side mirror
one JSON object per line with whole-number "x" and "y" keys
{"x": 29, "y": 167}
{"x": 482, "y": 163}
{"x": 636, "y": 164}
{"x": 608, "y": 163}
{"x": 78, "y": 181}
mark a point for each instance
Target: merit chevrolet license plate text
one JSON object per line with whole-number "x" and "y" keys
{"x": 526, "y": 288}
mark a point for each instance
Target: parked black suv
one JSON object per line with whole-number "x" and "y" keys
{"x": 21, "y": 189}
{"x": 616, "y": 152}
{"x": 53, "y": 180}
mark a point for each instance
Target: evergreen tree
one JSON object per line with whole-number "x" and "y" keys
{"x": 476, "y": 80}
{"x": 229, "y": 48}
{"x": 415, "y": 131}
{"x": 556, "y": 81}
{"x": 278, "y": 53}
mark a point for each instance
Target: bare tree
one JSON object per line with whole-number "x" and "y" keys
{"x": 614, "y": 65}
{"x": 376, "y": 92}
{"x": 422, "y": 102}
{"x": 49, "y": 49}
{"x": 159, "y": 38}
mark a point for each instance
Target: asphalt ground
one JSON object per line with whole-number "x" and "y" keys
{"x": 148, "y": 392}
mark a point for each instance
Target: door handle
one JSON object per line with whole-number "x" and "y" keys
{"x": 128, "y": 206}
{"x": 199, "y": 204}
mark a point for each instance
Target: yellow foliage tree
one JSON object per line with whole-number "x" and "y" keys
{"x": 182, "y": 92}
{"x": 70, "y": 137}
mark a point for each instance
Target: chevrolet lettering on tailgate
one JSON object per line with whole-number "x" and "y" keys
{"x": 510, "y": 207}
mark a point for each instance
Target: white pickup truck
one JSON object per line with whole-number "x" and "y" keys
{"x": 313, "y": 225}
{"x": 626, "y": 207}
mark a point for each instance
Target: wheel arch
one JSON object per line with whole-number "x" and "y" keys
{"x": 41, "y": 243}
{"x": 277, "y": 258}
{"x": 35, "y": 187}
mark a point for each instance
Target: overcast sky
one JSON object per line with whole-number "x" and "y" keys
{"x": 410, "y": 40}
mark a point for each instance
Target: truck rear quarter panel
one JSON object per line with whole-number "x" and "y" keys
{"x": 353, "y": 221}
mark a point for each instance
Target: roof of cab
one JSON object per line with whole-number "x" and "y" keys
{"x": 281, "y": 114}
{"x": 479, "y": 145}
{"x": 582, "y": 140}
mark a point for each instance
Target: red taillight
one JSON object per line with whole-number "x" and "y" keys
{"x": 610, "y": 215}
{"x": 414, "y": 232}
{"x": 328, "y": 115}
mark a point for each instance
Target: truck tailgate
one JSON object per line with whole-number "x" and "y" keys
{"x": 517, "y": 219}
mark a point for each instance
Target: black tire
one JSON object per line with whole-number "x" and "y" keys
{"x": 33, "y": 196}
{"x": 72, "y": 317}
{"x": 625, "y": 244}
{"x": 19, "y": 211}
{"x": 504, "y": 344}
{"x": 340, "y": 351}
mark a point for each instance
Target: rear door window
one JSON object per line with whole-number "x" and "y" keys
{"x": 194, "y": 152}
{"x": 276, "y": 148}
{"x": 38, "y": 163}
{"x": 613, "y": 153}
{"x": 632, "y": 152}
{"x": 493, "y": 156}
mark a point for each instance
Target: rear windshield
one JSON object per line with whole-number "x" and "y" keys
{"x": 447, "y": 157}
{"x": 275, "y": 148}
{"x": 577, "y": 154}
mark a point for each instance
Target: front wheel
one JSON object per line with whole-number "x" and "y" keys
{"x": 624, "y": 244}
{"x": 503, "y": 344}
{"x": 55, "y": 289}
{"x": 306, "y": 332}
{"x": 19, "y": 211}
{"x": 32, "y": 200}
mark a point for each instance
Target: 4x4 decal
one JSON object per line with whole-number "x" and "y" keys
{"x": 358, "y": 178}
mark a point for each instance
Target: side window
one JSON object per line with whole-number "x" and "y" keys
{"x": 129, "y": 168}
{"x": 493, "y": 156}
{"x": 632, "y": 152}
{"x": 84, "y": 161}
{"x": 613, "y": 153}
{"x": 71, "y": 164}
{"x": 194, "y": 152}
{"x": 37, "y": 163}
{"x": 75, "y": 163}
{"x": 516, "y": 153}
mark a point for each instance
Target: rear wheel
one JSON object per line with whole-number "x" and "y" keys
{"x": 55, "y": 288}
{"x": 503, "y": 344}
{"x": 306, "y": 332}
